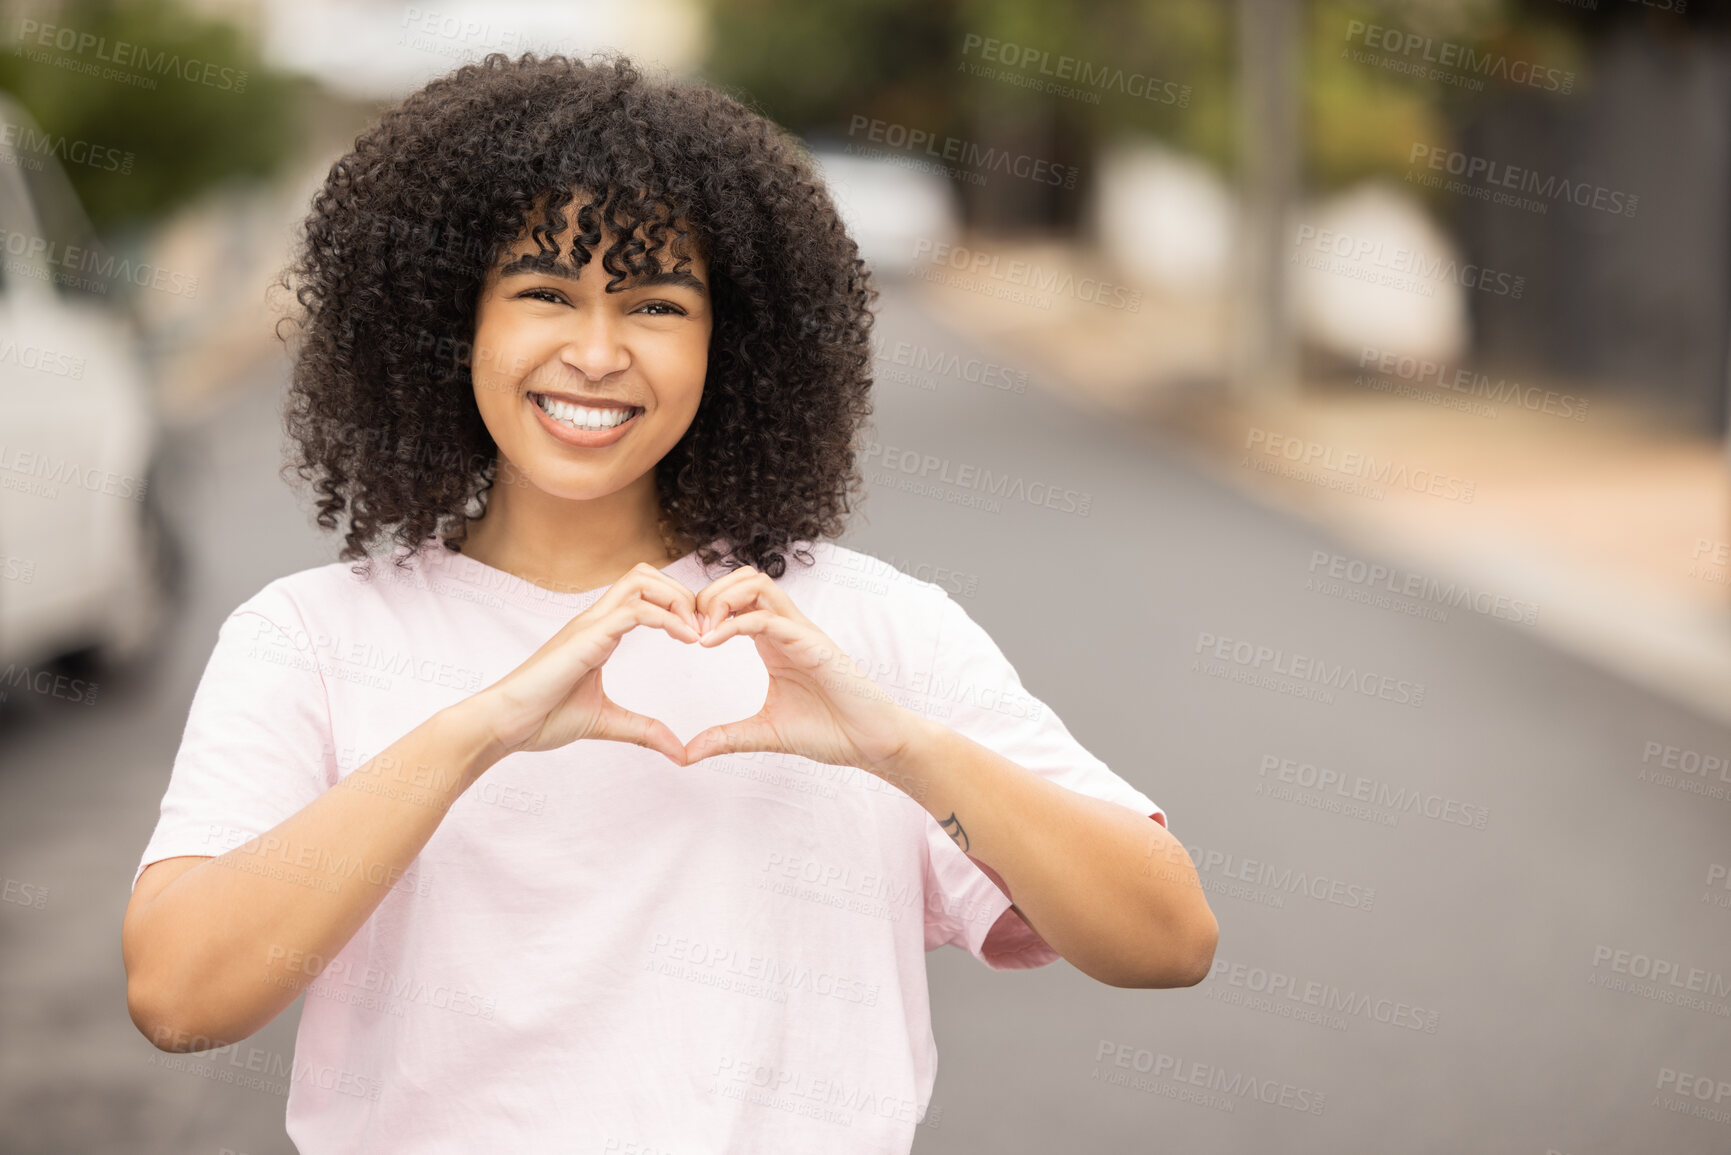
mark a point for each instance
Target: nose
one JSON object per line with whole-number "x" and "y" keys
{"x": 593, "y": 347}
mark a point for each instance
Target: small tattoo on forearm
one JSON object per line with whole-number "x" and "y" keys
{"x": 960, "y": 835}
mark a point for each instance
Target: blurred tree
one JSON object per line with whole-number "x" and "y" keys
{"x": 811, "y": 67}
{"x": 1362, "y": 117}
{"x": 184, "y": 134}
{"x": 816, "y": 68}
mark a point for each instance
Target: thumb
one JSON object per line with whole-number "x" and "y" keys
{"x": 616, "y": 723}
{"x": 753, "y": 733}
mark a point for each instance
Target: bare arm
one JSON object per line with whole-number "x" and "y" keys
{"x": 214, "y": 947}
{"x": 1108, "y": 889}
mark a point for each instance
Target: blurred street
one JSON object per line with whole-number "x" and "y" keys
{"x": 1483, "y": 946}
{"x": 79, "y": 791}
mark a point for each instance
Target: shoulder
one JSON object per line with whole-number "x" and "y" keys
{"x": 338, "y": 589}
{"x": 841, "y": 574}
{"x": 848, "y": 586}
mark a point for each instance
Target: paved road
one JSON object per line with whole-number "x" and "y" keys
{"x": 1392, "y": 975}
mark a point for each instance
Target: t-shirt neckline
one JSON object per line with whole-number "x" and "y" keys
{"x": 505, "y": 584}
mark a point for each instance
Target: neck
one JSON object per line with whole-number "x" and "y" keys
{"x": 570, "y": 545}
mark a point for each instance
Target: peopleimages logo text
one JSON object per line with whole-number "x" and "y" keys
{"x": 1485, "y": 171}
{"x": 1464, "y": 58}
{"x": 1356, "y": 464}
{"x": 1307, "y": 668}
{"x": 125, "y": 54}
{"x": 974, "y": 156}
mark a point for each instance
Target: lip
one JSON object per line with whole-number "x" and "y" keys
{"x": 581, "y": 399}
{"x": 582, "y": 438}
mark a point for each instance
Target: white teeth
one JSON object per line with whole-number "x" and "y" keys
{"x": 582, "y": 416}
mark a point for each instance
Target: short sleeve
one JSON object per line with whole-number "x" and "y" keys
{"x": 257, "y": 746}
{"x": 971, "y": 687}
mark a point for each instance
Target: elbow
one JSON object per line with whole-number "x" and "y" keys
{"x": 1170, "y": 952}
{"x": 168, "y": 1028}
{"x": 1185, "y": 954}
{"x": 154, "y": 1021}
{"x": 150, "y": 1019}
{"x": 1196, "y": 960}
{"x": 150, "y": 1009}
{"x": 169, "y": 1009}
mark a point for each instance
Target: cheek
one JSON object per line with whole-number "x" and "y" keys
{"x": 683, "y": 371}
{"x": 499, "y": 350}
{"x": 493, "y": 383}
{"x": 492, "y": 392}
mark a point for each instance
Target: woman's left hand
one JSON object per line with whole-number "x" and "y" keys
{"x": 819, "y": 705}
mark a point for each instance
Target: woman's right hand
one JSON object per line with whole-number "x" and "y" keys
{"x": 555, "y": 698}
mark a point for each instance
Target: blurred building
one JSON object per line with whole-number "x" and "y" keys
{"x": 1637, "y": 303}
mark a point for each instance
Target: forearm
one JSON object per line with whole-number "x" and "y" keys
{"x": 224, "y": 947}
{"x": 1077, "y": 867}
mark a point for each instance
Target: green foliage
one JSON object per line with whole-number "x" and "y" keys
{"x": 1359, "y": 120}
{"x": 192, "y": 128}
{"x": 1362, "y": 118}
{"x": 813, "y": 66}
{"x": 1184, "y": 47}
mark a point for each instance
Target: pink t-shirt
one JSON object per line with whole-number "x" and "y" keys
{"x": 598, "y": 950}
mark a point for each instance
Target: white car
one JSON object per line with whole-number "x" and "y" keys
{"x": 888, "y": 209}
{"x": 86, "y": 566}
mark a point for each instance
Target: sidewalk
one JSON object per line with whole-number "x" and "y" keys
{"x": 1612, "y": 535}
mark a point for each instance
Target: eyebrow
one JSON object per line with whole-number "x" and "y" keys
{"x": 533, "y": 265}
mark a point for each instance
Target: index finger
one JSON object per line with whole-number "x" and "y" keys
{"x": 741, "y": 590}
{"x": 646, "y": 582}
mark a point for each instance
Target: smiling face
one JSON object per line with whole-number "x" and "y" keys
{"x": 585, "y": 390}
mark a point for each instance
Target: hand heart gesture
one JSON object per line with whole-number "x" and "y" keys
{"x": 818, "y": 704}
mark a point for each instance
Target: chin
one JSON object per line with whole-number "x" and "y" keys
{"x": 559, "y": 479}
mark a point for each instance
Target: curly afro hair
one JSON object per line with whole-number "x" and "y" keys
{"x": 381, "y": 408}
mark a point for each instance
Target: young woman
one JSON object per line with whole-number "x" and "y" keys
{"x": 593, "y": 351}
